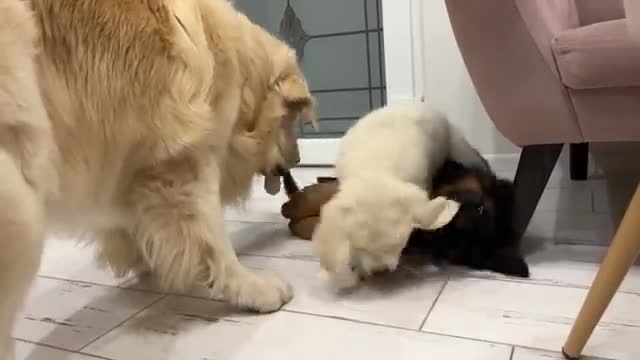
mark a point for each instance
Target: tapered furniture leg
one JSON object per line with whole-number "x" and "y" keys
{"x": 534, "y": 169}
{"x": 623, "y": 252}
{"x": 579, "y": 161}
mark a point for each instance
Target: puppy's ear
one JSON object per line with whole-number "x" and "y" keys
{"x": 436, "y": 213}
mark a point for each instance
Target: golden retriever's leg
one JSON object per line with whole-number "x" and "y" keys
{"x": 180, "y": 227}
{"x": 24, "y": 138}
{"x": 118, "y": 250}
{"x": 21, "y": 241}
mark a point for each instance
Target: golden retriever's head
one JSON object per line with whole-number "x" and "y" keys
{"x": 286, "y": 103}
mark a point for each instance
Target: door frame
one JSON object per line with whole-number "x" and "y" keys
{"x": 403, "y": 56}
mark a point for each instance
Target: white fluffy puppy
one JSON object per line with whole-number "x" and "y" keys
{"x": 384, "y": 164}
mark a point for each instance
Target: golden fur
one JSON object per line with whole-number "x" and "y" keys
{"x": 151, "y": 115}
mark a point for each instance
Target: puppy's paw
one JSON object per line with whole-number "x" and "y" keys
{"x": 436, "y": 213}
{"x": 511, "y": 266}
{"x": 261, "y": 292}
{"x": 344, "y": 278}
{"x": 367, "y": 263}
{"x": 517, "y": 267}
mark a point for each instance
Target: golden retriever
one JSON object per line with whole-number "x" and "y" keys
{"x": 136, "y": 121}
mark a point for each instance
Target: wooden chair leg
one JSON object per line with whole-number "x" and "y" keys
{"x": 622, "y": 253}
{"x": 534, "y": 169}
{"x": 579, "y": 161}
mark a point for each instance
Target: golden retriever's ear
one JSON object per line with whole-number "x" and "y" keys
{"x": 297, "y": 97}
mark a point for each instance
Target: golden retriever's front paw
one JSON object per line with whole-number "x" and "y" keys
{"x": 262, "y": 292}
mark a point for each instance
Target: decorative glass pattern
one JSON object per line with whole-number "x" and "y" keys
{"x": 292, "y": 32}
{"x": 340, "y": 48}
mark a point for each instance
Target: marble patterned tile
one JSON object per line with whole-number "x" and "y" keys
{"x": 564, "y": 266}
{"x": 268, "y": 239}
{"x": 575, "y": 265}
{"x": 71, "y": 260}
{"x": 525, "y": 313}
{"x": 69, "y": 315}
{"x": 187, "y": 328}
{"x": 530, "y": 354}
{"x": 533, "y": 315}
{"x": 401, "y": 299}
{"x": 28, "y": 351}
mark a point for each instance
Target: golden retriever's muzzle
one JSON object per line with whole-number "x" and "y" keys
{"x": 292, "y": 157}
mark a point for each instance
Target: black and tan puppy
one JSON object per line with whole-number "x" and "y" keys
{"x": 481, "y": 235}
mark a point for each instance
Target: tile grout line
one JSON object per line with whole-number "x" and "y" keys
{"x": 60, "y": 349}
{"x": 533, "y": 283}
{"x": 356, "y": 321}
{"x": 102, "y": 285}
{"x": 363, "y": 322}
{"x": 505, "y": 344}
{"x": 467, "y": 276}
{"x": 121, "y": 323}
{"x": 433, "y": 305}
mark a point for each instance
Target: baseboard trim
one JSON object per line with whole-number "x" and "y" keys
{"x": 503, "y": 162}
{"x": 318, "y": 152}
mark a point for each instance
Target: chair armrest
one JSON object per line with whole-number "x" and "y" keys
{"x": 545, "y": 19}
{"x": 596, "y": 11}
{"x": 600, "y": 55}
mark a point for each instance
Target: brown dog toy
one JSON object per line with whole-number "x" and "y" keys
{"x": 303, "y": 207}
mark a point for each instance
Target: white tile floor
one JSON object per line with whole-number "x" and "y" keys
{"x": 78, "y": 312}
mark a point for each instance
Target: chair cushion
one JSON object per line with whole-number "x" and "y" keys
{"x": 595, "y": 11}
{"x": 599, "y": 55}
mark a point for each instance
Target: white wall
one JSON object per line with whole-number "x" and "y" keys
{"x": 448, "y": 87}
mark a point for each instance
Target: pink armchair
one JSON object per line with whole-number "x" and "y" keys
{"x": 555, "y": 72}
{"x": 551, "y": 72}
